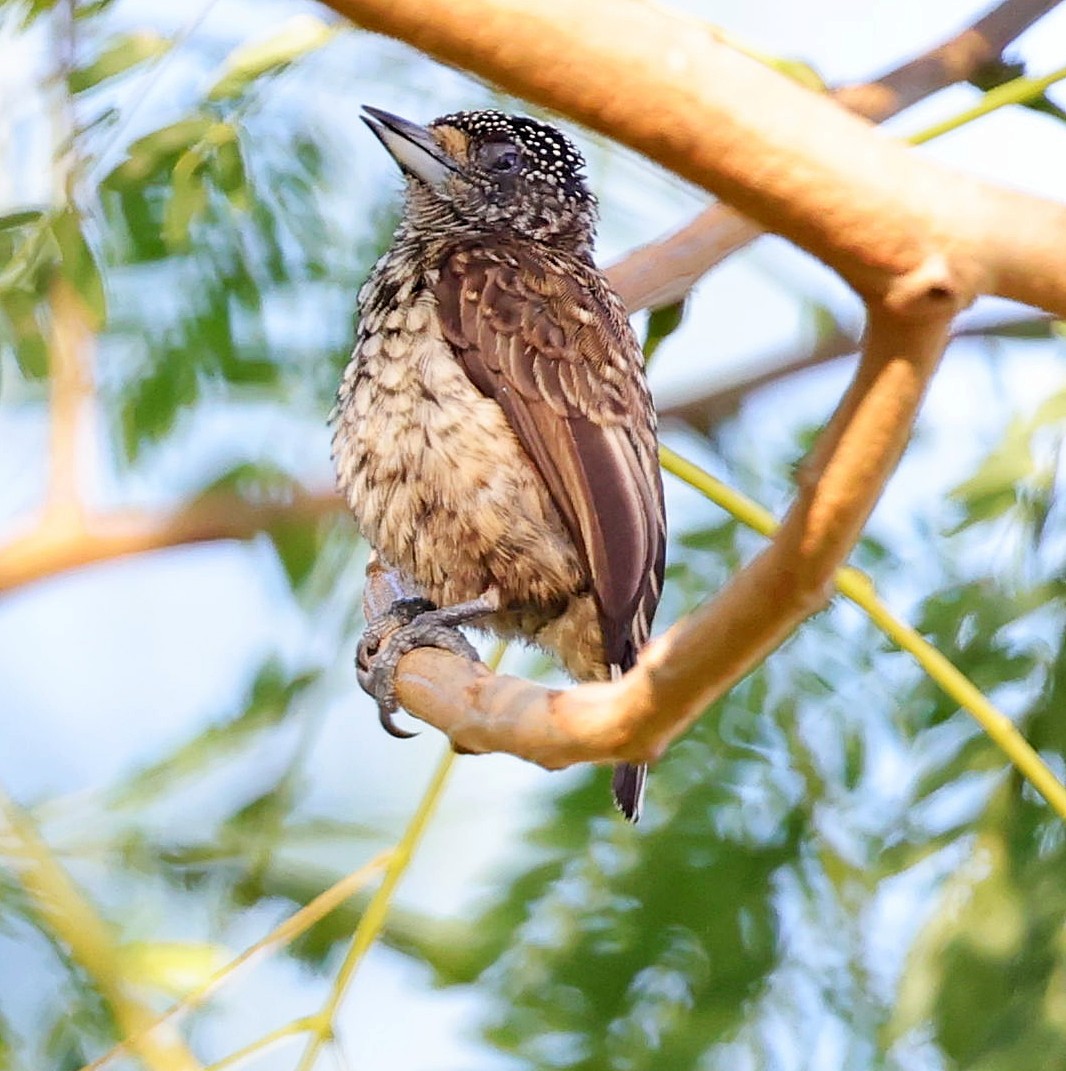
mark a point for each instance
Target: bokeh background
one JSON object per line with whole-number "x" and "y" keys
{"x": 837, "y": 869}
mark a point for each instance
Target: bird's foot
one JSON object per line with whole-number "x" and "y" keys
{"x": 411, "y": 623}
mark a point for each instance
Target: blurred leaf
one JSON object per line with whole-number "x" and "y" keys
{"x": 717, "y": 538}
{"x": 228, "y": 173}
{"x": 78, "y": 263}
{"x": 187, "y": 200}
{"x": 636, "y": 948}
{"x": 12, "y": 220}
{"x": 299, "y": 36}
{"x": 257, "y": 481}
{"x": 297, "y": 544}
{"x": 156, "y": 153}
{"x": 1051, "y": 411}
{"x": 122, "y": 52}
{"x": 993, "y": 489}
{"x": 997, "y": 942}
{"x": 171, "y": 967}
{"x": 28, "y": 257}
{"x": 151, "y": 405}
{"x": 6, "y": 1050}
{"x": 1001, "y": 471}
{"x": 22, "y": 311}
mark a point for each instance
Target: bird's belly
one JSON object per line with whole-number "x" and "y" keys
{"x": 440, "y": 486}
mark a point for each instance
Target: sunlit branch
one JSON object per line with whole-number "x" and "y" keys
{"x": 58, "y": 544}
{"x": 704, "y": 654}
{"x": 655, "y": 274}
{"x": 664, "y": 271}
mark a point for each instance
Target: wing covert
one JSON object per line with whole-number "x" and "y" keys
{"x": 559, "y": 359}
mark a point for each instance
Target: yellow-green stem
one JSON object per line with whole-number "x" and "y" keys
{"x": 68, "y": 915}
{"x": 1017, "y": 91}
{"x": 857, "y": 587}
{"x": 372, "y": 922}
{"x": 297, "y": 923}
{"x": 266, "y": 1042}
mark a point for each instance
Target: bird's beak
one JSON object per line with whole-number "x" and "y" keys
{"x": 411, "y": 146}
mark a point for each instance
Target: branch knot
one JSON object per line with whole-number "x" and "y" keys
{"x": 933, "y": 290}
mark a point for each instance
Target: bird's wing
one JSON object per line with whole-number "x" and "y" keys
{"x": 554, "y": 350}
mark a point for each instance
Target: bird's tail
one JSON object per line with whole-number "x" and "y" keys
{"x": 629, "y": 779}
{"x": 628, "y": 785}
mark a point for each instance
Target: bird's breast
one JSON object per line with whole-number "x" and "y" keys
{"x": 435, "y": 476}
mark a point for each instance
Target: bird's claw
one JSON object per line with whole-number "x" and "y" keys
{"x": 409, "y": 624}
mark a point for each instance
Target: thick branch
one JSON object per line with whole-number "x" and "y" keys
{"x": 664, "y": 271}
{"x": 60, "y": 543}
{"x": 652, "y": 275}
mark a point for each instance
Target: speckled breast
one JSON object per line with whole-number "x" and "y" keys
{"x": 433, "y": 473}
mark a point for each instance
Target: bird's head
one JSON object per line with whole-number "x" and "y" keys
{"x": 486, "y": 172}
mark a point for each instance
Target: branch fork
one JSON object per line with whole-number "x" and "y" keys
{"x": 918, "y": 242}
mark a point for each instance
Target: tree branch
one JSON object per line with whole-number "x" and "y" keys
{"x": 956, "y": 60}
{"x": 664, "y": 271}
{"x": 653, "y": 275}
{"x": 708, "y": 403}
{"x": 703, "y": 655}
{"x": 60, "y": 543}
{"x": 917, "y": 241}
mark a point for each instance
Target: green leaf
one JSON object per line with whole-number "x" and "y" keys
{"x": 150, "y": 406}
{"x": 123, "y": 52}
{"x": 188, "y": 198}
{"x": 993, "y": 489}
{"x": 297, "y": 546}
{"x": 78, "y": 264}
{"x": 298, "y": 37}
{"x": 11, "y": 220}
{"x": 155, "y": 153}
{"x": 227, "y": 171}
{"x": 662, "y": 322}
{"x": 29, "y": 261}
{"x": 1051, "y": 411}
{"x": 21, "y": 311}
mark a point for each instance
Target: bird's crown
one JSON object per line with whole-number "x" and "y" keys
{"x": 516, "y": 143}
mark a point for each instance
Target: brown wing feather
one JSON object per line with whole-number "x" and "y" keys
{"x": 551, "y": 345}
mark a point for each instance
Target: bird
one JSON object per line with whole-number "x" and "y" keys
{"x": 494, "y": 435}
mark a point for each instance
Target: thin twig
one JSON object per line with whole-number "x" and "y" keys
{"x": 68, "y": 914}
{"x": 282, "y": 934}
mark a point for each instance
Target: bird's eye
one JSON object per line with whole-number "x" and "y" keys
{"x": 501, "y": 157}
